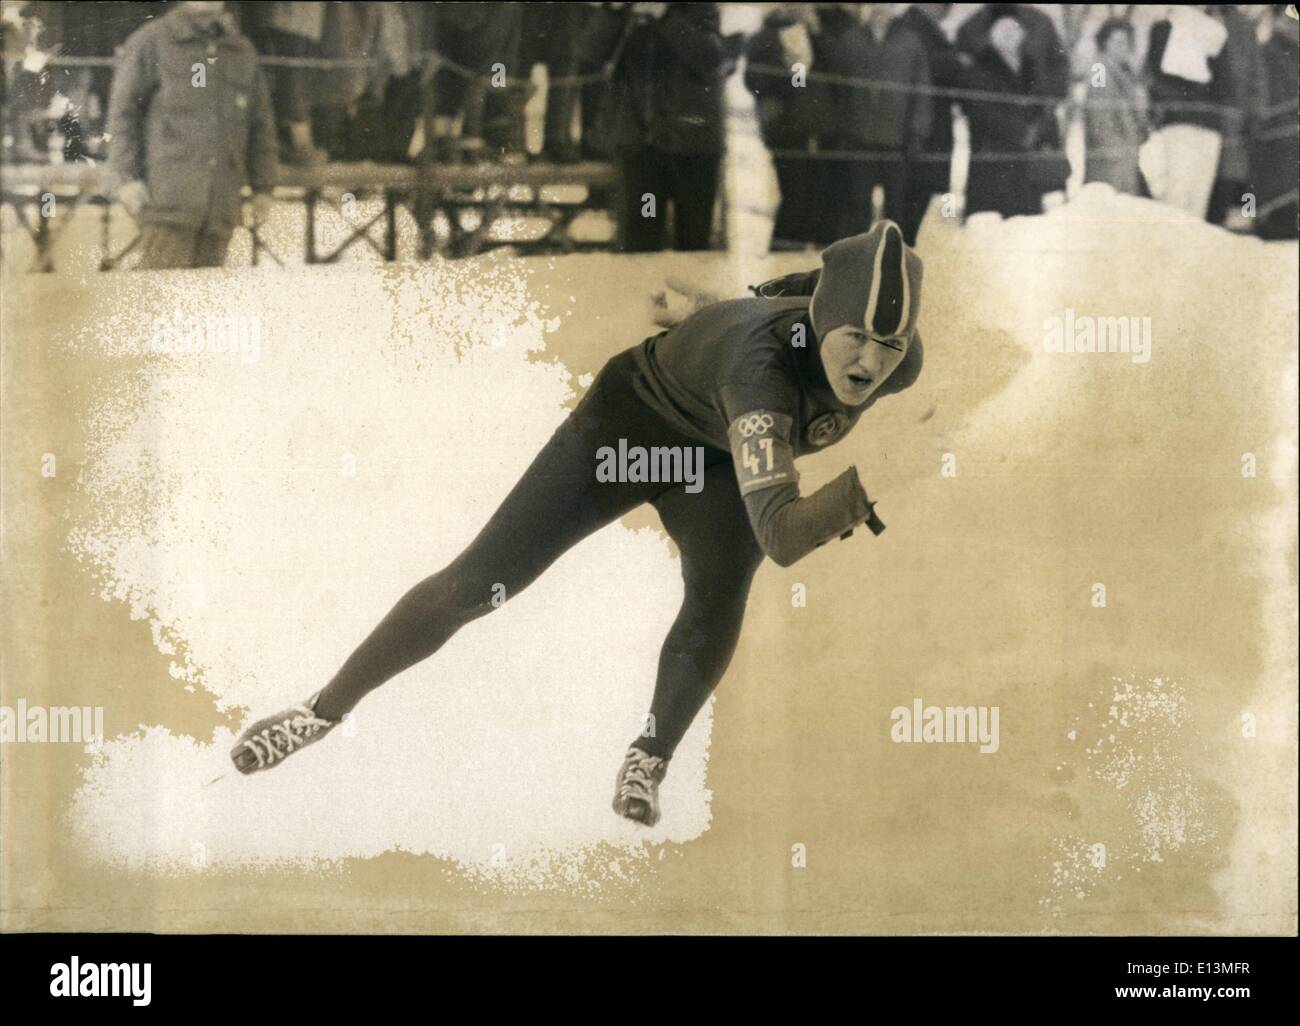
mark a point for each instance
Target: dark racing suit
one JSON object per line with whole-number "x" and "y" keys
{"x": 733, "y": 379}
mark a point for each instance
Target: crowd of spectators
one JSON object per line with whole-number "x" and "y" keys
{"x": 858, "y": 103}
{"x": 1204, "y": 118}
{"x": 640, "y": 85}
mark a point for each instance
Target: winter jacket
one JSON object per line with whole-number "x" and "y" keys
{"x": 667, "y": 86}
{"x": 945, "y": 73}
{"x": 788, "y": 114}
{"x": 1114, "y": 128}
{"x": 877, "y": 118}
{"x": 190, "y": 116}
{"x": 1005, "y": 184}
{"x": 1180, "y": 101}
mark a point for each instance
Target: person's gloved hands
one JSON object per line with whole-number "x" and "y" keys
{"x": 134, "y": 196}
{"x": 676, "y": 301}
{"x": 874, "y": 524}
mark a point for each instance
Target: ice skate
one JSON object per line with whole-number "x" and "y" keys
{"x": 270, "y": 741}
{"x": 636, "y": 791}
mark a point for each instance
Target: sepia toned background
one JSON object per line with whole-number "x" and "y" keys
{"x": 194, "y": 539}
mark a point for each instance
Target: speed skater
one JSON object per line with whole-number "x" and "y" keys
{"x": 758, "y": 382}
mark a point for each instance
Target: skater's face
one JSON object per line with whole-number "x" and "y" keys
{"x": 857, "y": 362}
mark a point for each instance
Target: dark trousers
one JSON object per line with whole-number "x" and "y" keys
{"x": 556, "y": 504}
{"x": 489, "y": 36}
{"x": 165, "y": 247}
{"x": 796, "y": 217}
{"x": 292, "y": 89}
{"x": 845, "y": 188}
{"x": 688, "y": 181}
{"x": 550, "y": 38}
{"x": 925, "y": 179}
{"x": 600, "y": 30}
{"x": 384, "y": 129}
{"x": 1225, "y": 196}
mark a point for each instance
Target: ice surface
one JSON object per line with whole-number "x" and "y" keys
{"x": 264, "y": 560}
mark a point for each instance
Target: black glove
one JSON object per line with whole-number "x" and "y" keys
{"x": 874, "y": 524}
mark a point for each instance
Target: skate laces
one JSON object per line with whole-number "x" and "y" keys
{"x": 641, "y": 772}
{"x": 280, "y": 739}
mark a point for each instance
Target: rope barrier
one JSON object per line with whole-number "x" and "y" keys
{"x": 433, "y": 60}
{"x": 981, "y": 95}
{"x": 942, "y": 157}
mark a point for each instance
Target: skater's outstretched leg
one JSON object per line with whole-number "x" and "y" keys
{"x": 556, "y": 503}
{"x": 719, "y": 556}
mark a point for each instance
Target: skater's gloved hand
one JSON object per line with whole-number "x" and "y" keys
{"x": 676, "y": 301}
{"x": 874, "y": 524}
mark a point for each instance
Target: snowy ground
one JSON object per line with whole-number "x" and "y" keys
{"x": 259, "y": 510}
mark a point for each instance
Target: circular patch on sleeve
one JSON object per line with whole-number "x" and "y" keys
{"x": 826, "y": 429}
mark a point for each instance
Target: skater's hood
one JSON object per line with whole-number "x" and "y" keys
{"x": 871, "y": 281}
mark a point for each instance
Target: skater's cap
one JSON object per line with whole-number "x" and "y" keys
{"x": 872, "y": 281}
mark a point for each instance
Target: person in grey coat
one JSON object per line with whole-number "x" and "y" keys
{"x": 190, "y": 123}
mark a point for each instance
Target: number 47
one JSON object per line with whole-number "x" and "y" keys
{"x": 751, "y": 461}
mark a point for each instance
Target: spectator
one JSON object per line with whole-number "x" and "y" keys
{"x": 551, "y": 39}
{"x": 1186, "y": 78}
{"x": 395, "y": 99}
{"x": 1046, "y": 72}
{"x": 1276, "y": 150}
{"x": 503, "y": 106}
{"x": 348, "y": 32}
{"x": 930, "y": 171}
{"x": 787, "y": 118}
{"x": 34, "y": 96}
{"x": 878, "y": 129}
{"x": 1043, "y": 53}
{"x": 74, "y": 100}
{"x": 1006, "y": 137}
{"x": 473, "y": 37}
{"x": 1114, "y": 110}
{"x": 291, "y": 30}
{"x": 1241, "y": 70}
{"x": 666, "y": 113}
{"x": 190, "y": 121}
{"x": 601, "y": 35}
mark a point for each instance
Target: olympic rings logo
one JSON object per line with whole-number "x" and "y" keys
{"x": 755, "y": 423}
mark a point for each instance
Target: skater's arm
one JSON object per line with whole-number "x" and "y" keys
{"x": 788, "y": 525}
{"x": 680, "y": 299}
{"x": 800, "y": 283}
